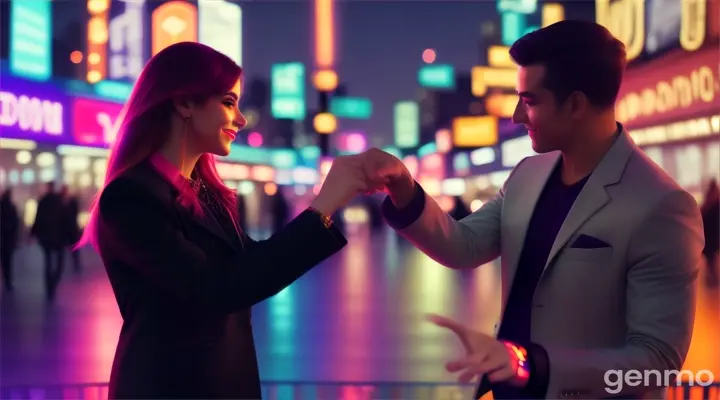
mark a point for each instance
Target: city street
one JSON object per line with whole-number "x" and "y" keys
{"x": 356, "y": 318}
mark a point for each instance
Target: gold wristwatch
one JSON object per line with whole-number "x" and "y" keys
{"x": 324, "y": 218}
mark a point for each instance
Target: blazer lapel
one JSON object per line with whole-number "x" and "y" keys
{"x": 594, "y": 195}
{"x": 168, "y": 194}
{"x": 205, "y": 221}
{"x": 521, "y": 199}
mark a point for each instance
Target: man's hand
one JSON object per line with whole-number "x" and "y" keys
{"x": 501, "y": 361}
{"x": 345, "y": 180}
{"x": 387, "y": 170}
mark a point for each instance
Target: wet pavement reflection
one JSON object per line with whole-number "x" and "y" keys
{"x": 358, "y": 317}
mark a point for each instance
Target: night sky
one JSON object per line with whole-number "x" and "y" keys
{"x": 379, "y": 44}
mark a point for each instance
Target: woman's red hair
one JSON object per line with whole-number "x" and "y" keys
{"x": 184, "y": 70}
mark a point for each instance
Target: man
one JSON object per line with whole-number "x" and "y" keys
{"x": 599, "y": 247}
{"x": 48, "y": 229}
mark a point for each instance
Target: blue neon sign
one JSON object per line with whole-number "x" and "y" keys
{"x": 30, "y": 39}
{"x": 288, "y": 91}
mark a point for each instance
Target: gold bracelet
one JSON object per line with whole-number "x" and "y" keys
{"x": 324, "y": 218}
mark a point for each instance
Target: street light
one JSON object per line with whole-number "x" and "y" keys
{"x": 325, "y": 123}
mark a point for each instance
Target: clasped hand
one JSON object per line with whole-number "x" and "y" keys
{"x": 371, "y": 171}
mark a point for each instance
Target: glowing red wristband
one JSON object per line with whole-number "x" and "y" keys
{"x": 522, "y": 369}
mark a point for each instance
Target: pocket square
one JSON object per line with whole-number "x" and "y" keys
{"x": 588, "y": 242}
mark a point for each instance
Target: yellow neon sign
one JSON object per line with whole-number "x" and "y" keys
{"x": 501, "y": 105}
{"x": 693, "y": 19}
{"x": 173, "y": 22}
{"x": 325, "y": 79}
{"x": 483, "y": 78}
{"x": 552, "y": 13}
{"x": 325, "y": 123}
{"x": 701, "y": 85}
{"x": 97, "y": 39}
{"x": 625, "y": 19}
{"x": 475, "y": 131}
{"x": 499, "y": 57}
{"x": 325, "y": 33}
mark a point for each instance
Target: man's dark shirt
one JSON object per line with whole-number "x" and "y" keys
{"x": 552, "y": 207}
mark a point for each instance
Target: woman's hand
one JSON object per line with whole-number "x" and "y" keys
{"x": 345, "y": 180}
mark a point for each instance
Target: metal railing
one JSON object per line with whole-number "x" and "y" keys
{"x": 325, "y": 391}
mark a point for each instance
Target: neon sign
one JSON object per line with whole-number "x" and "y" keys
{"x": 126, "y": 41}
{"x": 477, "y": 131}
{"x": 354, "y": 142}
{"x": 173, "y": 22}
{"x": 672, "y": 89}
{"x": 97, "y": 39}
{"x": 517, "y": 6}
{"x": 626, "y": 19}
{"x": 501, "y": 105}
{"x": 30, "y": 43}
{"x": 483, "y": 78}
{"x": 94, "y": 121}
{"x": 31, "y": 110}
{"x": 406, "y": 124}
{"x": 220, "y": 27}
{"x": 683, "y": 130}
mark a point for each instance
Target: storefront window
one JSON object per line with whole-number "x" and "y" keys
{"x": 689, "y": 166}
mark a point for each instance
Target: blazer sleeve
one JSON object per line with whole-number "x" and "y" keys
{"x": 137, "y": 228}
{"x": 663, "y": 264}
{"x": 468, "y": 243}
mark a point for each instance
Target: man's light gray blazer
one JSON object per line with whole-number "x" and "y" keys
{"x": 627, "y": 307}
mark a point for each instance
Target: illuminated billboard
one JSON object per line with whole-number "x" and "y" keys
{"x": 514, "y": 26}
{"x": 287, "y": 91}
{"x": 126, "y": 40}
{"x": 483, "y": 78}
{"x": 33, "y": 111}
{"x": 514, "y": 150}
{"x": 655, "y": 25}
{"x": 97, "y": 40}
{"x": 552, "y": 13}
{"x": 672, "y": 89}
{"x": 478, "y": 131}
{"x": 94, "y": 121}
{"x": 517, "y": 6}
{"x": 407, "y": 124}
{"x": 499, "y": 57}
{"x": 30, "y": 39}
{"x": 173, "y": 22}
{"x": 351, "y": 107}
{"x": 438, "y": 76}
{"x": 501, "y": 104}
{"x": 220, "y": 27}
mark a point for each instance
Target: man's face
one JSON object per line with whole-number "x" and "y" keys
{"x": 549, "y": 124}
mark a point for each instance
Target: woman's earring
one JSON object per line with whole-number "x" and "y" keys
{"x": 187, "y": 118}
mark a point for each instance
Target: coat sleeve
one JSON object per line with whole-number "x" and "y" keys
{"x": 137, "y": 228}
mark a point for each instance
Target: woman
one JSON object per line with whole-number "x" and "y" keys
{"x": 184, "y": 275}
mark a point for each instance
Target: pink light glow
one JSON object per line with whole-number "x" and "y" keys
{"x": 94, "y": 121}
{"x": 255, "y": 139}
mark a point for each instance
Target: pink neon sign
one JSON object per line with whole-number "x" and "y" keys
{"x": 93, "y": 121}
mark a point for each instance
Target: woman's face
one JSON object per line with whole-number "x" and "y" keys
{"x": 216, "y": 122}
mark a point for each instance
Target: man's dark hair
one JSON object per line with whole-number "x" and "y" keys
{"x": 578, "y": 56}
